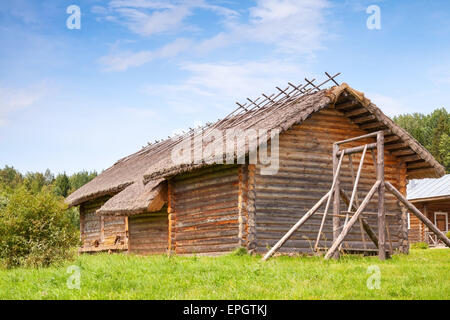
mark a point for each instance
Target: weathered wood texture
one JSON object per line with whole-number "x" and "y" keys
{"x": 205, "y": 210}
{"x": 305, "y": 175}
{"x": 100, "y": 233}
{"x": 149, "y": 233}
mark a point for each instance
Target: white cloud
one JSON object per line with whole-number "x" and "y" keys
{"x": 121, "y": 61}
{"x": 147, "y": 18}
{"x": 287, "y": 26}
{"x": 14, "y": 99}
{"x": 292, "y": 26}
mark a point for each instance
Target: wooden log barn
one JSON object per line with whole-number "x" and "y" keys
{"x": 148, "y": 204}
{"x": 432, "y": 197}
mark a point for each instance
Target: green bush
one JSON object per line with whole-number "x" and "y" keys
{"x": 36, "y": 229}
{"x": 448, "y": 234}
{"x": 419, "y": 245}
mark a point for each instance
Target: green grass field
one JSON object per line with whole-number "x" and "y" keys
{"x": 424, "y": 274}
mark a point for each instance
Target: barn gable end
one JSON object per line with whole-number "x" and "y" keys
{"x": 305, "y": 175}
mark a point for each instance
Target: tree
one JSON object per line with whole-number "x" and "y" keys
{"x": 432, "y": 131}
{"x": 62, "y": 185}
{"x": 79, "y": 179}
{"x": 10, "y": 177}
{"x": 444, "y": 149}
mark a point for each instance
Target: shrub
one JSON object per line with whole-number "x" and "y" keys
{"x": 419, "y": 245}
{"x": 36, "y": 229}
{"x": 241, "y": 251}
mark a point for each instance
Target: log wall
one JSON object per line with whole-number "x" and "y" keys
{"x": 148, "y": 233}
{"x": 204, "y": 211}
{"x": 305, "y": 175}
{"x": 100, "y": 232}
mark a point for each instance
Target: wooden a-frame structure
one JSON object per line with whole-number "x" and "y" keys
{"x": 355, "y": 209}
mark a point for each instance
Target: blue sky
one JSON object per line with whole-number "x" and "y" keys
{"x": 140, "y": 70}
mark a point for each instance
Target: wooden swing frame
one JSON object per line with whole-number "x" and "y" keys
{"x": 354, "y": 207}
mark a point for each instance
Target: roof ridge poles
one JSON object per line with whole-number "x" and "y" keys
{"x": 335, "y": 178}
{"x": 417, "y": 213}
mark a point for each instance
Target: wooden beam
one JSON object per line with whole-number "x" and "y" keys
{"x": 411, "y": 158}
{"x": 417, "y": 213}
{"x": 395, "y": 146}
{"x": 296, "y": 226}
{"x": 352, "y": 221}
{"x": 363, "y": 119}
{"x": 356, "y": 112}
{"x": 366, "y": 226}
{"x": 347, "y": 105}
{"x": 381, "y": 209}
{"x": 336, "y": 199}
{"x": 335, "y": 179}
{"x": 369, "y": 135}
{"x": 403, "y": 152}
{"x": 358, "y": 149}
{"x": 372, "y": 125}
{"x": 390, "y": 138}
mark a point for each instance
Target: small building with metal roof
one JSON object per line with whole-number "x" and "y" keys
{"x": 432, "y": 197}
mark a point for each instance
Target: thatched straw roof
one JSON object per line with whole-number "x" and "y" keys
{"x": 133, "y": 179}
{"x": 137, "y": 198}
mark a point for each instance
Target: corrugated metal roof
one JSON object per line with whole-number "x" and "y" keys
{"x": 428, "y": 188}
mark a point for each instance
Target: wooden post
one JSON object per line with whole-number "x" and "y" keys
{"x": 418, "y": 214}
{"x": 333, "y": 186}
{"x": 422, "y": 229}
{"x": 336, "y": 199}
{"x": 102, "y": 229}
{"x": 381, "y": 209}
{"x": 251, "y": 209}
{"x": 241, "y": 206}
{"x": 126, "y": 230}
{"x": 170, "y": 217}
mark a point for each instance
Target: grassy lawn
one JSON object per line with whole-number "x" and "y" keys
{"x": 424, "y": 274}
